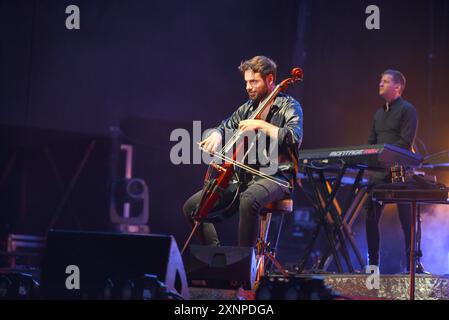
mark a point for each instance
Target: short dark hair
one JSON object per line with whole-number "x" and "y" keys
{"x": 259, "y": 64}
{"x": 397, "y": 76}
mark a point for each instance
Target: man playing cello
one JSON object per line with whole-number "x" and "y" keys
{"x": 280, "y": 122}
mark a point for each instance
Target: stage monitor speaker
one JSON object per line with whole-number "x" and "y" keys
{"x": 220, "y": 266}
{"x": 90, "y": 265}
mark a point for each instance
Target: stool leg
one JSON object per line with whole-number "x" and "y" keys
{"x": 281, "y": 223}
{"x": 265, "y": 224}
{"x": 264, "y": 227}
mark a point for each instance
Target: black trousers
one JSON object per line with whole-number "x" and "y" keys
{"x": 374, "y": 213}
{"x": 258, "y": 193}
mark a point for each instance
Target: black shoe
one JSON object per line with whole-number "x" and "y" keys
{"x": 373, "y": 260}
{"x": 418, "y": 270}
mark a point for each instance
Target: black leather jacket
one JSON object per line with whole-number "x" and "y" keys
{"x": 285, "y": 113}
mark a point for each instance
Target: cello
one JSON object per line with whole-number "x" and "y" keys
{"x": 221, "y": 181}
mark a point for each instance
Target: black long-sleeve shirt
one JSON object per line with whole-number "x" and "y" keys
{"x": 397, "y": 126}
{"x": 285, "y": 113}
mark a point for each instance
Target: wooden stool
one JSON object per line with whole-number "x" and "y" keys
{"x": 277, "y": 207}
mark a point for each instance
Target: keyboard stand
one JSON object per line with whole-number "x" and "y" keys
{"x": 413, "y": 197}
{"x": 337, "y": 228}
{"x": 349, "y": 214}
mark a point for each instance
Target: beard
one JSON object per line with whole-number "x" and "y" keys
{"x": 258, "y": 97}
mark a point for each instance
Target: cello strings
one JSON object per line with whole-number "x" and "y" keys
{"x": 249, "y": 169}
{"x": 238, "y": 132}
{"x": 255, "y": 172}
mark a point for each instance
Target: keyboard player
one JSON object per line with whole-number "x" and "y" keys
{"x": 395, "y": 123}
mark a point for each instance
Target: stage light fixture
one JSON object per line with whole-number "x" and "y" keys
{"x": 293, "y": 288}
{"x": 5, "y": 286}
{"x": 128, "y": 290}
{"x": 293, "y": 291}
{"x": 265, "y": 289}
{"x": 129, "y": 202}
{"x": 152, "y": 288}
{"x": 108, "y": 290}
{"x": 18, "y": 286}
{"x": 147, "y": 287}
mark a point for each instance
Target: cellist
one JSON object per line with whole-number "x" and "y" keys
{"x": 282, "y": 123}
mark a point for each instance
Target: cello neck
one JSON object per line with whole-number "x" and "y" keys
{"x": 266, "y": 103}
